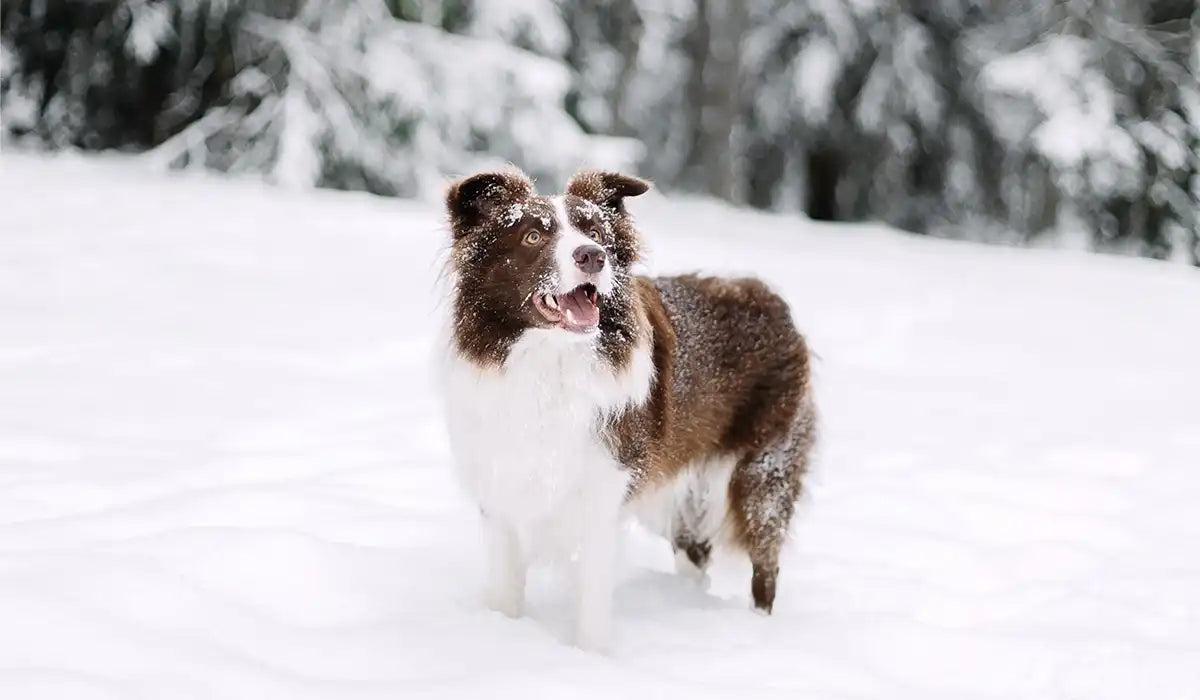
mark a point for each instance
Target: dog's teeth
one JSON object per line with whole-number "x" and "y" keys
{"x": 552, "y": 301}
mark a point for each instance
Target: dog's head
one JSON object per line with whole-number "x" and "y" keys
{"x": 523, "y": 260}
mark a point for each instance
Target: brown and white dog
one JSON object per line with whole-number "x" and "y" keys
{"x": 576, "y": 393}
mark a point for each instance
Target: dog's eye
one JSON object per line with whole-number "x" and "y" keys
{"x": 532, "y": 238}
{"x": 593, "y": 233}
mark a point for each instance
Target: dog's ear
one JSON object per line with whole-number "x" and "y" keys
{"x": 607, "y": 189}
{"x": 472, "y": 200}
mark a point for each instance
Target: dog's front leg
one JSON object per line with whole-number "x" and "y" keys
{"x": 597, "y": 566}
{"x": 505, "y": 567}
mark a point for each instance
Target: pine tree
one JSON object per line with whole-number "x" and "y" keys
{"x": 331, "y": 93}
{"x": 111, "y": 74}
{"x": 1111, "y": 124}
{"x": 968, "y": 118}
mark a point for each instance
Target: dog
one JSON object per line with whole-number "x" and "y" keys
{"x": 577, "y": 394}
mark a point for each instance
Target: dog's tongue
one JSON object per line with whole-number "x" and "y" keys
{"x": 579, "y": 312}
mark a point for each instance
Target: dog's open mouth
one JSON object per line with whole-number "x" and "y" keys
{"x": 577, "y": 311}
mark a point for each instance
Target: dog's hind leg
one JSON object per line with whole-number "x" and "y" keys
{"x": 763, "y": 498}
{"x": 763, "y": 494}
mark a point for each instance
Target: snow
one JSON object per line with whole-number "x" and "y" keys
{"x": 537, "y": 23}
{"x": 150, "y": 27}
{"x": 1041, "y": 69}
{"x": 8, "y": 60}
{"x": 911, "y": 56}
{"x": 1165, "y": 139}
{"x": 222, "y": 473}
{"x": 374, "y": 103}
{"x": 298, "y": 163}
{"x": 514, "y": 107}
{"x": 819, "y": 68}
{"x": 1077, "y": 102}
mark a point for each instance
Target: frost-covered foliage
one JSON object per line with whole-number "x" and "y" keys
{"x": 1019, "y": 120}
{"x": 336, "y": 93}
{"x": 841, "y": 109}
{"x": 875, "y": 117}
{"x": 112, "y": 74}
{"x": 1103, "y": 108}
{"x": 959, "y": 117}
{"x": 633, "y": 65}
{"x": 371, "y": 103}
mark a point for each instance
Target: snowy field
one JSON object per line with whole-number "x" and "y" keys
{"x": 222, "y": 473}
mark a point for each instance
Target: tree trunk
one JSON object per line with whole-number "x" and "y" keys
{"x": 715, "y": 96}
{"x": 722, "y": 82}
{"x": 629, "y": 19}
{"x": 1194, "y": 124}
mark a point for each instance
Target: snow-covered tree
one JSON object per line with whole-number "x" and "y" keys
{"x": 112, "y": 74}
{"x": 973, "y": 118}
{"x": 333, "y": 93}
{"x": 1102, "y": 108}
{"x": 365, "y": 102}
{"x": 864, "y": 109}
{"x": 635, "y": 67}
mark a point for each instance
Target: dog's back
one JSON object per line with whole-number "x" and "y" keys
{"x": 735, "y": 420}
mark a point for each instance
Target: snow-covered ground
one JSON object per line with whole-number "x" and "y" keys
{"x": 222, "y": 474}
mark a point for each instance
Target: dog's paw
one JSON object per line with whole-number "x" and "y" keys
{"x": 686, "y": 569}
{"x": 505, "y": 603}
{"x": 593, "y": 642}
{"x": 593, "y": 631}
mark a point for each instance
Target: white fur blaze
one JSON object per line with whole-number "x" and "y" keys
{"x": 527, "y": 447}
{"x": 570, "y": 238}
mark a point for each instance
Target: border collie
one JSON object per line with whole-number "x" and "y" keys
{"x": 577, "y": 393}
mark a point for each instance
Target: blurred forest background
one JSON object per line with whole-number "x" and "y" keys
{"x": 1071, "y": 122}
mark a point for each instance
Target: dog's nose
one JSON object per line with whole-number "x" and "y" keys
{"x": 589, "y": 258}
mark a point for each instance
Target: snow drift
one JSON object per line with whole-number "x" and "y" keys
{"x": 222, "y": 472}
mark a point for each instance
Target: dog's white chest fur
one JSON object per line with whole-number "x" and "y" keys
{"x": 526, "y": 437}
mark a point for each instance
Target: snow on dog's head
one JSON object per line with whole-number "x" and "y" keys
{"x": 526, "y": 261}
